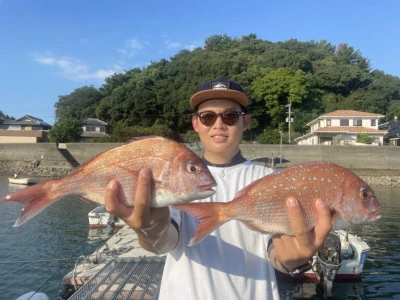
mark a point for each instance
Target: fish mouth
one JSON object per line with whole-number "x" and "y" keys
{"x": 207, "y": 190}
{"x": 375, "y": 216}
{"x": 207, "y": 187}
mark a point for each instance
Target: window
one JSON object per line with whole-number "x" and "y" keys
{"x": 373, "y": 122}
{"x": 328, "y": 122}
{"x": 357, "y": 122}
{"x": 90, "y": 128}
{"x": 344, "y": 122}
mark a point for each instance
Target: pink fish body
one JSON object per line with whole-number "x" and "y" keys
{"x": 262, "y": 204}
{"x": 179, "y": 175}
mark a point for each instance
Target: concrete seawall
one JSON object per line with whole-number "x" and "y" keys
{"x": 368, "y": 160}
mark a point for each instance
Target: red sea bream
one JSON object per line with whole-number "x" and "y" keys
{"x": 178, "y": 174}
{"x": 262, "y": 204}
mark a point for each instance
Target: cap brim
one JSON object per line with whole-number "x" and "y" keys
{"x": 206, "y": 95}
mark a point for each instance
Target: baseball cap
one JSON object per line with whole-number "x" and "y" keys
{"x": 219, "y": 88}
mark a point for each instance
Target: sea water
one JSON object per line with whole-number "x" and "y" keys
{"x": 37, "y": 255}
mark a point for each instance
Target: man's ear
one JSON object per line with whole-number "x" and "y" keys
{"x": 195, "y": 123}
{"x": 246, "y": 121}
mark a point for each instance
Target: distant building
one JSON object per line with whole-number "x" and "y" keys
{"x": 27, "y": 129}
{"x": 392, "y": 128}
{"x": 341, "y": 127}
{"x": 93, "y": 128}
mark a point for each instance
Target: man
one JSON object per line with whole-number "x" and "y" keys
{"x": 233, "y": 262}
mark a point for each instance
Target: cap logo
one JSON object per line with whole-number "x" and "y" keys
{"x": 220, "y": 86}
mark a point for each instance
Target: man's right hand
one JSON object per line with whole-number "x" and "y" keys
{"x": 149, "y": 223}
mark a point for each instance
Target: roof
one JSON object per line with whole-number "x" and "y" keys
{"x": 94, "y": 122}
{"x": 346, "y": 114}
{"x": 349, "y": 129}
{"x": 390, "y": 125}
{"x": 393, "y": 133}
{"x": 93, "y": 134}
{"x": 351, "y": 113}
{"x": 27, "y": 120}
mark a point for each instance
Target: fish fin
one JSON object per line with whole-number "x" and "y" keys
{"x": 209, "y": 216}
{"x": 35, "y": 199}
{"x": 246, "y": 189}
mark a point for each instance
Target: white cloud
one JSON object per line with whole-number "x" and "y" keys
{"x": 75, "y": 69}
{"x": 172, "y": 45}
{"x": 132, "y": 47}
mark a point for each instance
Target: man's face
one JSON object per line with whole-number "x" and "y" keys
{"x": 219, "y": 137}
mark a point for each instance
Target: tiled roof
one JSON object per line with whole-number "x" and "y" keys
{"x": 94, "y": 122}
{"x": 390, "y": 125}
{"x": 394, "y": 132}
{"x": 351, "y": 113}
{"x": 349, "y": 129}
{"x": 94, "y": 134}
{"x": 27, "y": 120}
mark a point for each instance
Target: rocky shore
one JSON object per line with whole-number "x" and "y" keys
{"x": 30, "y": 169}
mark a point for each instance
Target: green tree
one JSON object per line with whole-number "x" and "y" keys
{"x": 67, "y": 130}
{"x": 315, "y": 76}
{"x": 393, "y": 112}
{"x": 4, "y": 117}
{"x": 364, "y": 138}
{"x": 80, "y": 104}
{"x": 272, "y": 136}
{"x": 278, "y": 88}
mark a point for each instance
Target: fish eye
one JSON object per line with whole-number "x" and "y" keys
{"x": 363, "y": 193}
{"x": 192, "y": 169}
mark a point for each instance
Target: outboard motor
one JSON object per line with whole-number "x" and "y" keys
{"x": 328, "y": 262}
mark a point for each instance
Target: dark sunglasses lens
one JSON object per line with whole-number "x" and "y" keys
{"x": 230, "y": 118}
{"x": 208, "y": 119}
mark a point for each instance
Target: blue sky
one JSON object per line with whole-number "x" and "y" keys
{"x": 49, "y": 48}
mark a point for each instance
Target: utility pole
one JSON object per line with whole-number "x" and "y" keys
{"x": 289, "y": 119}
{"x": 280, "y": 155}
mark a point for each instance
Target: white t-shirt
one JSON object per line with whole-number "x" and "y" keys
{"x": 230, "y": 263}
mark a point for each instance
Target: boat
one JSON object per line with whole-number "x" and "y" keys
{"x": 340, "y": 259}
{"x": 100, "y": 218}
{"x": 23, "y": 180}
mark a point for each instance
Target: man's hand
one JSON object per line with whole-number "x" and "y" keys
{"x": 149, "y": 223}
{"x": 294, "y": 251}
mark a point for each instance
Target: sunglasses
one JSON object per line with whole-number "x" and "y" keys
{"x": 229, "y": 118}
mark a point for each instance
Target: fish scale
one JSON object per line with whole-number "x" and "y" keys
{"x": 178, "y": 175}
{"x": 261, "y": 205}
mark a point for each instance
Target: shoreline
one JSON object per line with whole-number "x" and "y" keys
{"x": 374, "y": 177}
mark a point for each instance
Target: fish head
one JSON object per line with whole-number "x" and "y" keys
{"x": 358, "y": 203}
{"x": 186, "y": 179}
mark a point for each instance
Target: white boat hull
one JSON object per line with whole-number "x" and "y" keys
{"x": 23, "y": 181}
{"x": 100, "y": 218}
{"x": 354, "y": 252}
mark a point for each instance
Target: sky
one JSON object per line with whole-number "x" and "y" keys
{"x": 49, "y": 48}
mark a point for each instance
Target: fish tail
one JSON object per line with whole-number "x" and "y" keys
{"x": 210, "y": 216}
{"x": 35, "y": 199}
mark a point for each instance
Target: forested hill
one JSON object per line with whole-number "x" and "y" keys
{"x": 316, "y": 76}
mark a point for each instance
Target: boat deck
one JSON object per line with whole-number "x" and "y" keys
{"x": 120, "y": 269}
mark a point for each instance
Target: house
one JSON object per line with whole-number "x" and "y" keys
{"x": 342, "y": 127}
{"x": 27, "y": 129}
{"x": 92, "y": 129}
{"x": 392, "y": 128}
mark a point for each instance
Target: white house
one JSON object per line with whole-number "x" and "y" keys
{"x": 27, "y": 129}
{"x": 93, "y": 128}
{"x": 342, "y": 127}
